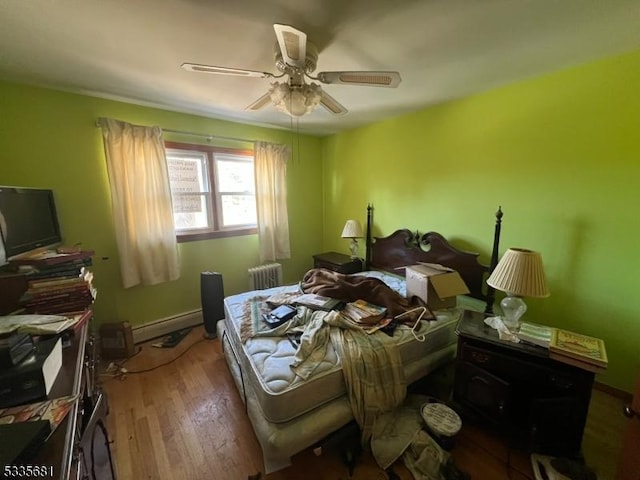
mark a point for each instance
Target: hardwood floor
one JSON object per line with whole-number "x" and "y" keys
{"x": 185, "y": 420}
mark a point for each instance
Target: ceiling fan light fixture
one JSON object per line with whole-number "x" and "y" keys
{"x": 296, "y": 58}
{"x": 295, "y": 100}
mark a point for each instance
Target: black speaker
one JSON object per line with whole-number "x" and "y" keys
{"x": 212, "y": 299}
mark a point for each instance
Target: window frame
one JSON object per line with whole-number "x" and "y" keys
{"x": 214, "y": 205}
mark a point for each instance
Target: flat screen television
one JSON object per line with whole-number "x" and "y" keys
{"x": 28, "y": 221}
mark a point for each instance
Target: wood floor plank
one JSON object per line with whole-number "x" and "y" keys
{"x": 187, "y": 420}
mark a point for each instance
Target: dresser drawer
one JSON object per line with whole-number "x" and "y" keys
{"x": 485, "y": 393}
{"x": 548, "y": 381}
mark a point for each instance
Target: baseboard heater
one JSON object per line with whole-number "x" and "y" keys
{"x": 164, "y": 326}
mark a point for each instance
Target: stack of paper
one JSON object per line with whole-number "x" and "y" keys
{"x": 535, "y": 333}
{"x": 37, "y": 324}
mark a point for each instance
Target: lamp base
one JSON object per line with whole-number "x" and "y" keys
{"x": 353, "y": 247}
{"x": 513, "y": 309}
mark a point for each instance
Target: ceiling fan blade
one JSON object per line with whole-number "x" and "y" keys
{"x": 367, "y": 78}
{"x": 293, "y": 45}
{"x": 238, "y": 72}
{"x": 260, "y": 103}
{"x": 331, "y": 104}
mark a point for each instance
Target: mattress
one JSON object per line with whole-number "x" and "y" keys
{"x": 283, "y": 396}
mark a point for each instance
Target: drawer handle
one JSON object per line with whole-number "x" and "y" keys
{"x": 480, "y": 357}
{"x": 477, "y": 378}
{"x": 630, "y": 412}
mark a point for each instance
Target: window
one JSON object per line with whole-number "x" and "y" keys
{"x": 213, "y": 191}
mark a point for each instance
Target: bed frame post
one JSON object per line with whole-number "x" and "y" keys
{"x": 367, "y": 254}
{"x": 491, "y": 292}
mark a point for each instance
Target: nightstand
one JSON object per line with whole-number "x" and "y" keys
{"x": 338, "y": 262}
{"x": 540, "y": 403}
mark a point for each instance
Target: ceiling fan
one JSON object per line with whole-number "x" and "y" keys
{"x": 296, "y": 58}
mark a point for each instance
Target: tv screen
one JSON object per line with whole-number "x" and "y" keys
{"x": 28, "y": 220}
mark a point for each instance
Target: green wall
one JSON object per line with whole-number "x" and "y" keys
{"x": 48, "y": 139}
{"x": 560, "y": 153}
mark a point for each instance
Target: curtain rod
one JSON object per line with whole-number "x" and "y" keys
{"x": 208, "y": 136}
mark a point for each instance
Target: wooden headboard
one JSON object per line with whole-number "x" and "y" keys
{"x": 403, "y": 248}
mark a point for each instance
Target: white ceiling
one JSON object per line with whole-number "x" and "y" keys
{"x": 132, "y": 50}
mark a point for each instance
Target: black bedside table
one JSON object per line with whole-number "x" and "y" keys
{"x": 338, "y": 262}
{"x": 541, "y": 403}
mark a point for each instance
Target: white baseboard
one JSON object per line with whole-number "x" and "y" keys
{"x": 164, "y": 326}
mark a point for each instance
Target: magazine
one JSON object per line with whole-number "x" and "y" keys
{"x": 363, "y": 312}
{"x": 580, "y": 347}
{"x": 54, "y": 410}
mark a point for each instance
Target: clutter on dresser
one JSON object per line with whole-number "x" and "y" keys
{"x": 14, "y": 347}
{"x": 52, "y": 410}
{"x": 535, "y": 334}
{"x": 48, "y": 258}
{"x": 36, "y": 324}
{"x": 53, "y": 282}
{"x": 578, "y": 350}
{"x": 33, "y": 377}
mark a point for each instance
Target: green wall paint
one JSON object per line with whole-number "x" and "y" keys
{"x": 560, "y": 153}
{"x": 49, "y": 139}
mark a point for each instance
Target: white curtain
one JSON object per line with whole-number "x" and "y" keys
{"x": 271, "y": 198}
{"x": 141, "y": 201}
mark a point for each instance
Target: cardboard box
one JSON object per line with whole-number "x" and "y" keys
{"x": 437, "y": 285}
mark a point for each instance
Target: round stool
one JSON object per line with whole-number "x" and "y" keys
{"x": 442, "y": 423}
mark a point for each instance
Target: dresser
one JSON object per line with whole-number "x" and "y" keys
{"x": 539, "y": 402}
{"x": 79, "y": 447}
{"x": 338, "y": 262}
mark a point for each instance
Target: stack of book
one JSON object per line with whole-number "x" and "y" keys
{"x": 578, "y": 350}
{"x": 59, "y": 294}
{"x": 56, "y": 265}
{"x": 366, "y": 315}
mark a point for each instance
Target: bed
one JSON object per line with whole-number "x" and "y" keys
{"x": 290, "y": 414}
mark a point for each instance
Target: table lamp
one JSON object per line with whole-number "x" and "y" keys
{"x": 519, "y": 273}
{"x": 353, "y": 230}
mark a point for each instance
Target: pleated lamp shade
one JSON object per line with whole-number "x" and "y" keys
{"x": 520, "y": 273}
{"x": 352, "y": 229}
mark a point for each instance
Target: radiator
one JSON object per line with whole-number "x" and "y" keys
{"x": 265, "y": 276}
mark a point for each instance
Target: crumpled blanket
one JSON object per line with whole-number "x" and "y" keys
{"x": 394, "y": 431}
{"x": 350, "y": 288}
{"x": 373, "y": 374}
{"x": 425, "y": 458}
{"x": 400, "y": 434}
{"x": 371, "y": 363}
